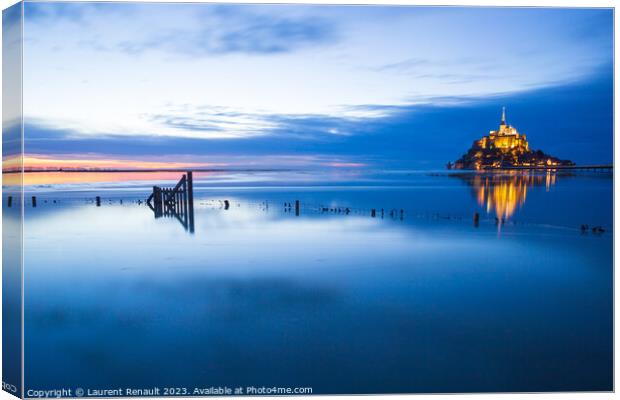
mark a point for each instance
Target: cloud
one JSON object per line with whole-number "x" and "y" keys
{"x": 50, "y": 11}
{"x": 54, "y": 12}
{"x": 217, "y": 122}
{"x": 268, "y": 35}
{"x": 260, "y": 152}
{"x": 405, "y": 65}
{"x": 193, "y": 30}
{"x": 249, "y": 34}
{"x": 459, "y": 70}
{"x": 214, "y": 122}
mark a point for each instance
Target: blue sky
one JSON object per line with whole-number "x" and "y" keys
{"x": 293, "y": 85}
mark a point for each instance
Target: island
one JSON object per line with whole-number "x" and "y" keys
{"x": 505, "y": 148}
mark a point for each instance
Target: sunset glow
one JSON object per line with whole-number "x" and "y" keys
{"x": 39, "y": 163}
{"x": 60, "y": 178}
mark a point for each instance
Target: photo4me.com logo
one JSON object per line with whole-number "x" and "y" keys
{"x": 252, "y": 390}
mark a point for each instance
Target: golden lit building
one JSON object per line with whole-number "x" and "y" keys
{"x": 506, "y": 137}
{"x": 505, "y": 148}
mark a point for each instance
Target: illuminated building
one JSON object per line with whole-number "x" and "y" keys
{"x": 505, "y": 148}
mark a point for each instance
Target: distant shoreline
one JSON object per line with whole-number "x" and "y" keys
{"x": 523, "y": 168}
{"x": 147, "y": 170}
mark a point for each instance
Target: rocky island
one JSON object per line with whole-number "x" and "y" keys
{"x": 505, "y": 148}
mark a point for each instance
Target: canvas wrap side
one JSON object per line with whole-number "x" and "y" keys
{"x": 12, "y": 200}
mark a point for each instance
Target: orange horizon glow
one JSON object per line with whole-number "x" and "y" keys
{"x": 42, "y": 163}
{"x": 43, "y": 170}
{"x": 37, "y": 162}
{"x": 58, "y": 177}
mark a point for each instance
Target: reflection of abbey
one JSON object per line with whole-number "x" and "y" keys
{"x": 505, "y": 147}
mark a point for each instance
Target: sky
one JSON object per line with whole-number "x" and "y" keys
{"x": 299, "y": 86}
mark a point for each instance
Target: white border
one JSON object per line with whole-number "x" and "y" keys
{"x": 484, "y": 3}
{"x": 473, "y": 3}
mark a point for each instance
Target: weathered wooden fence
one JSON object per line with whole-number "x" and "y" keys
{"x": 176, "y": 202}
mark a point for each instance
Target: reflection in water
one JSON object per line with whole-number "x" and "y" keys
{"x": 261, "y": 296}
{"x": 504, "y": 193}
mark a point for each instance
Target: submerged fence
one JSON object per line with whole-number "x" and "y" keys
{"x": 177, "y": 202}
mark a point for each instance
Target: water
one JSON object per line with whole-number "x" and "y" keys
{"x": 339, "y": 302}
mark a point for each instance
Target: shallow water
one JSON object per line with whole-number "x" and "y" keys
{"x": 418, "y": 301}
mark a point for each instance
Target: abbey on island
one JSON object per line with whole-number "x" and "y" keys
{"x": 505, "y": 148}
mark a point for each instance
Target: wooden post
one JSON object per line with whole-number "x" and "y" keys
{"x": 168, "y": 201}
{"x": 190, "y": 200}
{"x": 185, "y": 195}
{"x": 164, "y": 205}
{"x": 157, "y": 202}
{"x": 10, "y": 199}
{"x": 297, "y": 208}
{"x": 98, "y": 201}
{"x": 34, "y": 201}
{"x": 177, "y": 202}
